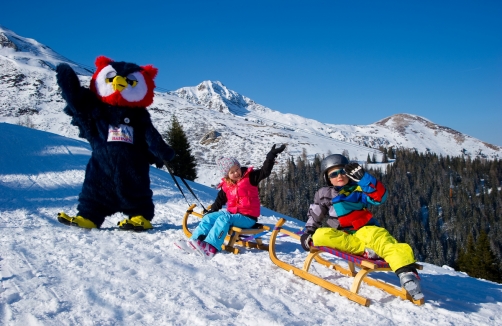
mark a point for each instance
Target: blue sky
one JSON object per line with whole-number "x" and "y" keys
{"x": 341, "y": 62}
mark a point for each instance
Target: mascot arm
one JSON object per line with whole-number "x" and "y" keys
{"x": 68, "y": 82}
{"x": 79, "y": 99}
{"x": 157, "y": 145}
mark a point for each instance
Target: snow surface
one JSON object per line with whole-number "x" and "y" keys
{"x": 52, "y": 274}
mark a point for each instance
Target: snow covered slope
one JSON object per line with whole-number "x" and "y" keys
{"x": 217, "y": 120}
{"x": 52, "y": 274}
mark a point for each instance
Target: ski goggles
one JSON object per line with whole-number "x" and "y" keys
{"x": 336, "y": 173}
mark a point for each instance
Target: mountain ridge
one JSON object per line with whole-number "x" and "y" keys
{"x": 234, "y": 124}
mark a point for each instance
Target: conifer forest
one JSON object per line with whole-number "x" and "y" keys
{"x": 448, "y": 209}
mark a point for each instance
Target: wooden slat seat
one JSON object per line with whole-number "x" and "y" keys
{"x": 236, "y": 237}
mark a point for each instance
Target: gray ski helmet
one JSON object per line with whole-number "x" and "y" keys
{"x": 329, "y": 162}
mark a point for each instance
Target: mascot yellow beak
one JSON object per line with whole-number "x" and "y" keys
{"x": 119, "y": 83}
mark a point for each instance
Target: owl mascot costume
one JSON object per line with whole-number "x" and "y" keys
{"x": 112, "y": 116}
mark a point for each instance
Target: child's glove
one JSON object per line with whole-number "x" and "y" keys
{"x": 207, "y": 211}
{"x": 305, "y": 241}
{"x": 275, "y": 151}
{"x": 354, "y": 171}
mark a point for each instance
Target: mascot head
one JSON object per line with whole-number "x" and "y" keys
{"x": 123, "y": 83}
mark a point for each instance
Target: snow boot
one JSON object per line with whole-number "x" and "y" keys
{"x": 411, "y": 283}
{"x": 204, "y": 249}
{"x": 135, "y": 223}
{"x": 185, "y": 246}
{"x": 79, "y": 221}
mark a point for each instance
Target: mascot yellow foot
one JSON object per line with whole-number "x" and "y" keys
{"x": 76, "y": 221}
{"x": 135, "y": 223}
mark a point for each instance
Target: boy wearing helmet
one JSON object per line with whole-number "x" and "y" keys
{"x": 351, "y": 226}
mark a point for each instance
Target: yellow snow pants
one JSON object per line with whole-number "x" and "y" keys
{"x": 379, "y": 239}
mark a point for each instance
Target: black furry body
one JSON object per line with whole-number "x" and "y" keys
{"x": 117, "y": 176}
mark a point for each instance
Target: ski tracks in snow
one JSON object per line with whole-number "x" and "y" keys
{"x": 22, "y": 281}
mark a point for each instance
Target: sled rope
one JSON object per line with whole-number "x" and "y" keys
{"x": 299, "y": 232}
{"x": 251, "y": 237}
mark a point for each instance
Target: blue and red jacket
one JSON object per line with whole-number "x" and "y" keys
{"x": 346, "y": 207}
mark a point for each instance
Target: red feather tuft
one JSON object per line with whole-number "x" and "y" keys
{"x": 102, "y": 61}
{"x": 150, "y": 70}
{"x": 149, "y": 73}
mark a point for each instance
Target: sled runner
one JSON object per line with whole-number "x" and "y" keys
{"x": 365, "y": 266}
{"x": 248, "y": 238}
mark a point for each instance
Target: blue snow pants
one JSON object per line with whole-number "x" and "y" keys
{"x": 215, "y": 226}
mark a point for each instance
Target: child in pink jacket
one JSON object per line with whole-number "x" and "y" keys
{"x": 239, "y": 192}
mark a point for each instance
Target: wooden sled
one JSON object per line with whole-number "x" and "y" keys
{"x": 365, "y": 267}
{"x": 248, "y": 238}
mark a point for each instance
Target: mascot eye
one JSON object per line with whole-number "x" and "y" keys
{"x": 110, "y": 75}
{"x": 132, "y": 80}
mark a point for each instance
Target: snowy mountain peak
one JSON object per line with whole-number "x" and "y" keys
{"x": 5, "y": 42}
{"x": 216, "y": 96}
{"x": 9, "y": 39}
{"x": 400, "y": 119}
{"x": 27, "y": 51}
{"x": 403, "y": 121}
{"x": 415, "y": 127}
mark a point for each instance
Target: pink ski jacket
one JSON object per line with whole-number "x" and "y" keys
{"x": 242, "y": 197}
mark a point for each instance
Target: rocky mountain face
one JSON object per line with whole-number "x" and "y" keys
{"x": 217, "y": 120}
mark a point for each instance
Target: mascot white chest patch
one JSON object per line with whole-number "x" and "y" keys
{"x": 123, "y": 133}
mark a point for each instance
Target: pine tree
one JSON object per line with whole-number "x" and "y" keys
{"x": 390, "y": 153}
{"x": 346, "y": 154}
{"x": 385, "y": 159}
{"x": 467, "y": 259}
{"x": 488, "y": 268}
{"x": 183, "y": 164}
